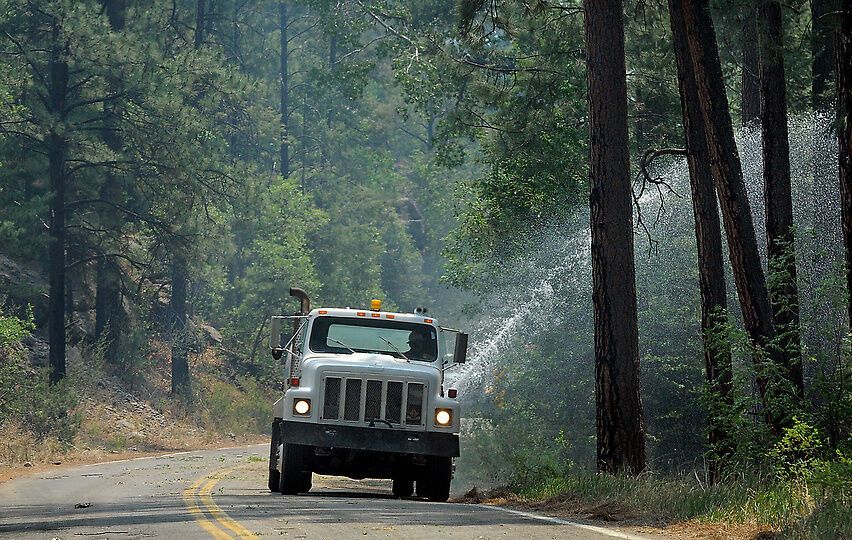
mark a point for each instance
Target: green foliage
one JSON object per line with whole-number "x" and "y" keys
{"x": 793, "y": 507}
{"x": 795, "y": 453}
{"x": 520, "y": 95}
{"x": 415, "y": 153}
{"x": 134, "y": 361}
{"x": 815, "y": 430}
{"x": 13, "y": 330}
{"x": 239, "y": 409}
{"x": 25, "y": 397}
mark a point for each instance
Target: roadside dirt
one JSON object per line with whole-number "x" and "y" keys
{"x": 99, "y": 455}
{"x": 612, "y": 515}
{"x": 115, "y": 424}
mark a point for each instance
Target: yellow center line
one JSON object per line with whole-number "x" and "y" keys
{"x": 198, "y": 514}
{"x": 206, "y": 496}
{"x": 204, "y": 492}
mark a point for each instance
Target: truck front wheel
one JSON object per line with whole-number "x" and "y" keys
{"x": 294, "y": 478}
{"x": 274, "y": 476}
{"x": 435, "y": 484}
{"x": 403, "y": 487}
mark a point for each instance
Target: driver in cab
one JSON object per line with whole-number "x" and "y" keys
{"x": 416, "y": 346}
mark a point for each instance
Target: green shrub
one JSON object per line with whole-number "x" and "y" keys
{"x": 797, "y": 451}
{"x": 25, "y": 396}
{"x": 13, "y": 330}
{"x": 245, "y": 408}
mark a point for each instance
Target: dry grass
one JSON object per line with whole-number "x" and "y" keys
{"x": 117, "y": 420}
{"x": 18, "y": 446}
{"x": 680, "y": 508}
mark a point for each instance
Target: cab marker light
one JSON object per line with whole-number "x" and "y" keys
{"x": 360, "y": 313}
{"x": 452, "y": 393}
{"x": 323, "y": 312}
{"x": 428, "y": 321}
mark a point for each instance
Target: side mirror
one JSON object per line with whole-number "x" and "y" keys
{"x": 460, "y": 353}
{"x": 275, "y": 337}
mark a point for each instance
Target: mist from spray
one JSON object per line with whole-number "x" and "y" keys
{"x": 549, "y": 287}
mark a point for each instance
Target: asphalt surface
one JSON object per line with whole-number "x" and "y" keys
{"x": 222, "y": 494}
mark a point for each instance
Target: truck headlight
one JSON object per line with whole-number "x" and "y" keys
{"x": 443, "y": 417}
{"x": 302, "y": 407}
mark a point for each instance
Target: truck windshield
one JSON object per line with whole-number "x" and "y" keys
{"x": 400, "y": 339}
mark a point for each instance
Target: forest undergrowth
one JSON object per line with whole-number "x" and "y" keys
{"x": 809, "y": 506}
{"x": 104, "y": 410}
{"x": 795, "y": 484}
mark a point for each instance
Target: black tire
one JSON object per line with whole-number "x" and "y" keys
{"x": 294, "y": 476}
{"x": 403, "y": 487}
{"x": 274, "y": 480}
{"x": 439, "y": 474}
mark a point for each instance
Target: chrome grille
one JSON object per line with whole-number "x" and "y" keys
{"x": 393, "y": 409}
{"x": 352, "y": 403}
{"x": 360, "y": 400}
{"x": 414, "y": 404}
{"x": 373, "y": 406}
{"x": 331, "y": 405}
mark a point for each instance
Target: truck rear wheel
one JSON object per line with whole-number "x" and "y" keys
{"x": 274, "y": 476}
{"x": 435, "y": 484}
{"x": 403, "y": 487}
{"x": 294, "y": 478}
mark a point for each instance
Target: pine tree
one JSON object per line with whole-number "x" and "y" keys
{"x": 728, "y": 179}
{"x": 717, "y": 357}
{"x": 620, "y": 421}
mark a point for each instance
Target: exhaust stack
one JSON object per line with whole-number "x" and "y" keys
{"x": 304, "y": 300}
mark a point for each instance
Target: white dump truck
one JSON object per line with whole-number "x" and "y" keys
{"x": 364, "y": 397}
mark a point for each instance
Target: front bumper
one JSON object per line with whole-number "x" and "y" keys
{"x": 375, "y": 439}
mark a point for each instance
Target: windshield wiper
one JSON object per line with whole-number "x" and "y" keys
{"x": 394, "y": 348}
{"x": 342, "y": 345}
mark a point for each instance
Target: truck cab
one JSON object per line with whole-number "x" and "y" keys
{"x": 364, "y": 397}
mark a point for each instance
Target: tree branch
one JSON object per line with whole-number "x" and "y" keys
{"x": 133, "y": 262}
{"x": 647, "y": 159}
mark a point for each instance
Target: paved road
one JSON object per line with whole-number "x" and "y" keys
{"x": 222, "y": 494}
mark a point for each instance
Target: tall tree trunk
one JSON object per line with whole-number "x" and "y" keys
{"x": 728, "y": 178}
{"x": 620, "y": 423}
{"x": 431, "y": 118}
{"x": 108, "y": 300}
{"x": 750, "y": 69}
{"x": 844, "y": 99}
{"x": 823, "y": 25}
{"x": 102, "y": 298}
{"x": 708, "y": 234}
{"x": 285, "y": 91}
{"x": 56, "y": 152}
{"x": 177, "y": 305}
{"x": 304, "y": 140}
{"x": 108, "y": 309}
{"x": 200, "y": 14}
{"x": 116, "y": 11}
{"x": 210, "y": 19}
{"x": 69, "y": 298}
{"x": 180, "y": 273}
{"x": 332, "y": 67}
{"x": 778, "y": 198}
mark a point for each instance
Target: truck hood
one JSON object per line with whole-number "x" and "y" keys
{"x": 381, "y": 366}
